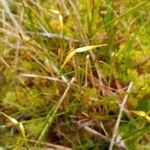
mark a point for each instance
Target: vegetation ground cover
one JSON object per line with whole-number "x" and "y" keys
{"x": 75, "y": 74}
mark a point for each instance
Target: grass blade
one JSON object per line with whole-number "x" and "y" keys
{"x": 80, "y": 50}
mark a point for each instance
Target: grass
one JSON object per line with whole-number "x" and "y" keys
{"x": 66, "y": 72}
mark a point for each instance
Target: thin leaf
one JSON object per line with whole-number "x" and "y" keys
{"x": 14, "y": 121}
{"x": 87, "y": 48}
{"x": 19, "y": 125}
{"x": 69, "y": 56}
{"x": 22, "y": 130}
{"x": 80, "y": 50}
{"x": 142, "y": 114}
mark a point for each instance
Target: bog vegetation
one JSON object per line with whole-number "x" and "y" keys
{"x": 75, "y": 74}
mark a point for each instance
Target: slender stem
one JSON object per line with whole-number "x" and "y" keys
{"x": 119, "y": 116}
